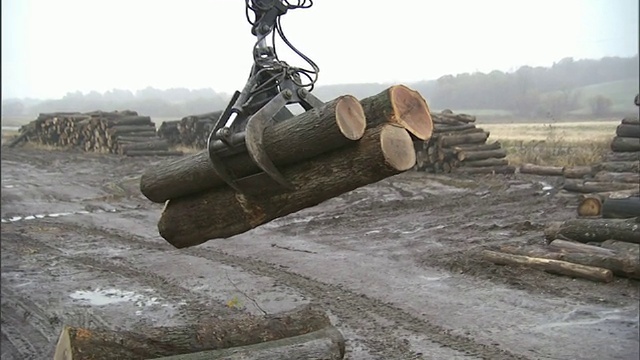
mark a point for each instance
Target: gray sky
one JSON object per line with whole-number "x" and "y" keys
{"x": 51, "y": 47}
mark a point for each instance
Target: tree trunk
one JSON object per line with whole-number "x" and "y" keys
{"x": 622, "y": 156}
{"x": 621, "y": 177}
{"x": 625, "y": 144}
{"x": 504, "y": 170}
{"x": 219, "y": 213}
{"x": 577, "y": 172}
{"x": 618, "y": 166}
{"x": 595, "y": 186}
{"x": 596, "y": 230}
{"x": 486, "y": 163}
{"x": 623, "y": 208}
{"x": 453, "y": 140}
{"x": 590, "y": 206}
{"x": 325, "y": 344}
{"x": 550, "y": 265}
{"x": 627, "y": 130}
{"x": 466, "y": 155}
{"x": 81, "y": 343}
{"x": 338, "y": 123}
{"x": 541, "y": 170}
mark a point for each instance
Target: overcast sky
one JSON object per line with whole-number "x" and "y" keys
{"x": 51, "y": 47}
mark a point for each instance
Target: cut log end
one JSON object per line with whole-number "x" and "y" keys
{"x": 412, "y": 111}
{"x": 590, "y": 206}
{"x": 350, "y": 117}
{"x": 397, "y": 148}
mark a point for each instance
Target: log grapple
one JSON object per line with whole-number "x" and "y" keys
{"x": 272, "y": 85}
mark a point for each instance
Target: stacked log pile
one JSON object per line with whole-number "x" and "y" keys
{"x": 458, "y": 145}
{"x": 118, "y": 132}
{"x": 190, "y": 131}
{"x": 320, "y": 154}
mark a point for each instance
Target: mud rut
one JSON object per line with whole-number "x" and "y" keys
{"x": 75, "y": 222}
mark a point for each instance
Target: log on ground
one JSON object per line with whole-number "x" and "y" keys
{"x": 587, "y": 187}
{"x": 622, "y": 208}
{"x": 577, "y": 172}
{"x": 541, "y": 170}
{"x": 325, "y": 344}
{"x": 81, "y": 343}
{"x": 153, "y": 144}
{"x": 594, "y": 230}
{"x": 623, "y": 177}
{"x": 628, "y": 130}
{"x": 617, "y": 166}
{"x": 550, "y": 265}
{"x": 573, "y": 246}
{"x": 219, "y": 213}
{"x": 336, "y": 124}
{"x": 625, "y": 144}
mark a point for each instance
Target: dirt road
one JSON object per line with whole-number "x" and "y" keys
{"x": 393, "y": 263}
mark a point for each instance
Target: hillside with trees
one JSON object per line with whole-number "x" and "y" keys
{"x": 589, "y": 87}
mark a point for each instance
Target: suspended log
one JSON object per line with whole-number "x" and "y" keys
{"x": 595, "y": 186}
{"x": 625, "y": 144}
{"x": 466, "y": 155}
{"x": 132, "y": 153}
{"x": 622, "y": 208}
{"x": 125, "y": 129}
{"x": 596, "y": 230}
{"x": 550, "y": 265}
{"x": 628, "y": 130}
{"x": 219, "y": 213}
{"x": 338, "y": 123}
{"x": 620, "y": 194}
{"x": 486, "y": 163}
{"x": 503, "y": 170}
{"x": 156, "y": 144}
{"x": 577, "y": 172}
{"x": 622, "y": 156}
{"x": 590, "y": 206}
{"x": 541, "y": 170}
{"x": 80, "y": 343}
{"x": 623, "y": 177}
{"x": 325, "y": 344}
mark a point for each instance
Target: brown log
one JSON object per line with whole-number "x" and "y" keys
{"x": 630, "y": 121}
{"x": 451, "y": 128}
{"x": 618, "y": 166}
{"x": 596, "y": 230}
{"x": 577, "y": 172}
{"x": 453, "y": 140}
{"x": 550, "y": 265}
{"x": 132, "y": 153}
{"x": 325, "y": 344}
{"x": 338, "y": 123}
{"x": 622, "y": 156}
{"x": 628, "y": 130}
{"x": 590, "y": 206}
{"x": 478, "y": 147}
{"x": 622, "y": 208}
{"x": 219, "y": 213}
{"x": 81, "y": 343}
{"x": 623, "y": 177}
{"x": 625, "y": 144}
{"x": 399, "y": 105}
{"x": 595, "y": 186}
{"x": 541, "y": 170}
{"x": 486, "y": 162}
{"x": 503, "y": 170}
{"x": 467, "y": 155}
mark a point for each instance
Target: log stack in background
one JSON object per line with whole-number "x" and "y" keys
{"x": 118, "y": 132}
{"x": 191, "y": 131}
{"x": 458, "y": 145}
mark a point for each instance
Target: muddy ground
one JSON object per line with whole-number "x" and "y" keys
{"x": 393, "y": 263}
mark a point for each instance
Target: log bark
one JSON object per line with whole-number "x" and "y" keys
{"x": 153, "y": 153}
{"x": 618, "y": 194}
{"x": 325, "y": 344}
{"x": 628, "y": 130}
{"x": 590, "y": 206}
{"x": 452, "y": 128}
{"x": 577, "y": 172}
{"x": 630, "y": 121}
{"x": 219, "y": 213}
{"x": 478, "y": 147}
{"x": 550, "y": 265}
{"x": 466, "y": 155}
{"x": 622, "y": 177}
{"x": 154, "y": 144}
{"x": 338, "y": 123}
{"x": 622, "y": 156}
{"x": 503, "y": 170}
{"x": 126, "y": 129}
{"x": 399, "y": 105}
{"x": 618, "y": 166}
{"x": 594, "y": 230}
{"x": 623, "y": 248}
{"x": 595, "y": 186}
{"x": 572, "y": 246}
{"x": 542, "y": 170}
{"x": 81, "y": 343}
{"x": 486, "y": 163}
{"x": 453, "y": 140}
{"x": 623, "y": 208}
{"x": 625, "y": 144}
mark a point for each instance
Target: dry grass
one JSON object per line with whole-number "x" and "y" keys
{"x": 561, "y": 144}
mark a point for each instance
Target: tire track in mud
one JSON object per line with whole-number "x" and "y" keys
{"x": 362, "y": 313}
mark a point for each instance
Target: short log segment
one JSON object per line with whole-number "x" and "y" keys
{"x": 550, "y": 265}
{"x": 219, "y": 213}
{"x": 338, "y": 123}
{"x": 83, "y": 344}
{"x": 325, "y": 344}
{"x": 595, "y": 230}
{"x": 618, "y": 166}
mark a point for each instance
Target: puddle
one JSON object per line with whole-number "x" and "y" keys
{"x": 54, "y": 215}
{"x": 101, "y": 297}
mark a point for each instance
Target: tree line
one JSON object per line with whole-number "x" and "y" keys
{"x": 526, "y": 92}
